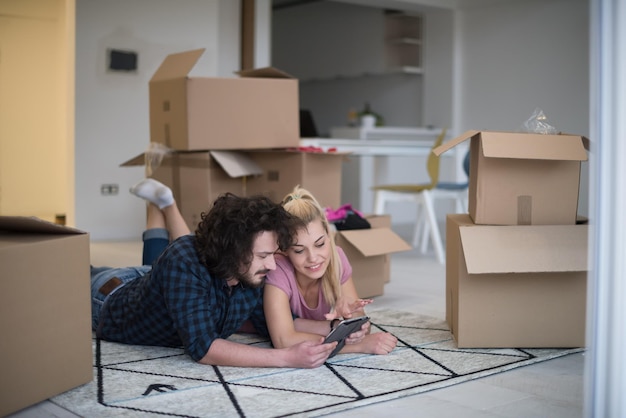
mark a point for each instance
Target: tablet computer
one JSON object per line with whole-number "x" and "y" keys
{"x": 343, "y": 330}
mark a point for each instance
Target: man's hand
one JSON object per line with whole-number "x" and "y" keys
{"x": 309, "y": 354}
{"x": 345, "y": 309}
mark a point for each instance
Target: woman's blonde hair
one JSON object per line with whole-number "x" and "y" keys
{"x": 302, "y": 204}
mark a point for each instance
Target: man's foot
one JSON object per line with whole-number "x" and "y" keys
{"x": 154, "y": 192}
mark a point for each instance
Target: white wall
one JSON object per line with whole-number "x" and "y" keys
{"x": 485, "y": 67}
{"x": 438, "y": 87}
{"x": 521, "y": 55}
{"x": 343, "y": 66}
{"x": 516, "y": 56}
{"x": 112, "y": 122}
{"x": 338, "y": 52}
{"x": 509, "y": 58}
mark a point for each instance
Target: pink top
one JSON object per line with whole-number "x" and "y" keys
{"x": 284, "y": 278}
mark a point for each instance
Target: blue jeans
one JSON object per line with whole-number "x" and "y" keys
{"x": 154, "y": 243}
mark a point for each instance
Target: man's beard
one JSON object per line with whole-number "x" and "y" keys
{"x": 253, "y": 281}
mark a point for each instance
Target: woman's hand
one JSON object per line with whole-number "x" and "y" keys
{"x": 345, "y": 309}
{"x": 378, "y": 343}
{"x": 357, "y": 337}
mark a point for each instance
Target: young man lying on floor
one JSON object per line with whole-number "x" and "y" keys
{"x": 202, "y": 287}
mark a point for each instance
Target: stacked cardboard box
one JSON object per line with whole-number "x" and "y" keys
{"x": 238, "y": 135}
{"x": 199, "y": 177}
{"x": 45, "y": 313}
{"x": 242, "y": 135}
{"x": 516, "y": 265}
{"x": 257, "y": 110}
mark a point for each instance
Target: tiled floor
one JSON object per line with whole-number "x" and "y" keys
{"x": 550, "y": 389}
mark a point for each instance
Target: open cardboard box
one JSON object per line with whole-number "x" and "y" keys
{"x": 383, "y": 221}
{"x": 522, "y": 178}
{"x": 45, "y": 318}
{"x": 197, "y": 178}
{"x": 259, "y": 109}
{"x": 369, "y": 253}
{"x": 516, "y": 286}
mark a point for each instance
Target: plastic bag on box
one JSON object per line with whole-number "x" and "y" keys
{"x": 538, "y": 124}
{"x": 154, "y": 156}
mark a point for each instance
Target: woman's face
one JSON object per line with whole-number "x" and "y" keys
{"x": 310, "y": 254}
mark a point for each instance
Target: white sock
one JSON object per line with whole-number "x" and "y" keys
{"x": 154, "y": 192}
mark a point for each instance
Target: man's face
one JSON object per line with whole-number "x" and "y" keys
{"x": 263, "y": 250}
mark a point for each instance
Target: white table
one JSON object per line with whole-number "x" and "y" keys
{"x": 376, "y": 156}
{"x": 386, "y": 133}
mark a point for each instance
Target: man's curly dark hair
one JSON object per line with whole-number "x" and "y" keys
{"x": 226, "y": 234}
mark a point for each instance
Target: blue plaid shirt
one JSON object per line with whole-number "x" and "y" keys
{"x": 179, "y": 304}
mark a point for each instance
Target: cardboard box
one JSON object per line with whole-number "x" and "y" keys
{"x": 368, "y": 251}
{"x": 382, "y": 221}
{"x": 45, "y": 311}
{"x": 515, "y": 286}
{"x": 522, "y": 178}
{"x": 197, "y": 178}
{"x": 318, "y": 172}
{"x": 260, "y": 109}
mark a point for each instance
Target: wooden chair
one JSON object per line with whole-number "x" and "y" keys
{"x": 420, "y": 194}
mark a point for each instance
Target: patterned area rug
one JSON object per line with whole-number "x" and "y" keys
{"x": 136, "y": 381}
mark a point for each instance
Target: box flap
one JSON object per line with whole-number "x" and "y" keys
{"x": 236, "y": 164}
{"x": 524, "y": 248}
{"x": 454, "y": 142}
{"x": 299, "y": 150}
{"x": 265, "y": 72}
{"x": 586, "y": 142}
{"x": 138, "y": 160}
{"x": 33, "y": 224}
{"x": 177, "y": 65}
{"x": 533, "y": 146}
{"x": 375, "y": 241}
{"x": 153, "y": 156}
{"x": 524, "y": 145}
{"x": 151, "y": 160}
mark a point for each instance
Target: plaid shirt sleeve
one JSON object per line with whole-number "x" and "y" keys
{"x": 258, "y": 319}
{"x": 190, "y": 300}
{"x": 179, "y": 303}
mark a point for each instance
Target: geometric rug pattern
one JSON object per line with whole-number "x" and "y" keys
{"x": 144, "y": 381}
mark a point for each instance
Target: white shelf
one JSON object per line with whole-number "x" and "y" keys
{"x": 404, "y": 40}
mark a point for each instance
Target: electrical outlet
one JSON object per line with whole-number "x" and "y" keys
{"x": 109, "y": 189}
